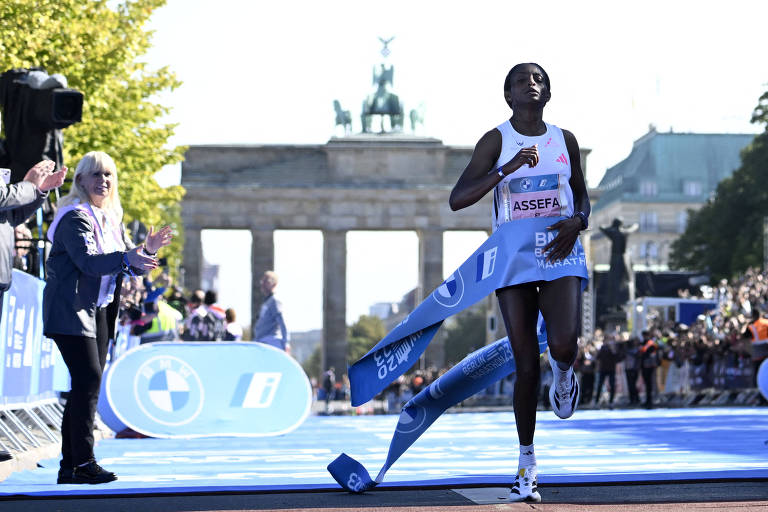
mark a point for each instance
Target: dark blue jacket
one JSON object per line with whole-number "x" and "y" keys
{"x": 74, "y": 271}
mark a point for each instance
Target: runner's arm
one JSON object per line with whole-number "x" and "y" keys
{"x": 568, "y": 229}
{"x": 578, "y": 183}
{"x": 478, "y": 178}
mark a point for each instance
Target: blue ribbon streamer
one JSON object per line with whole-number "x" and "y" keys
{"x": 506, "y": 258}
{"x": 511, "y": 255}
{"x": 475, "y": 372}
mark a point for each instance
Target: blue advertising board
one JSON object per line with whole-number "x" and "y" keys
{"x": 28, "y": 358}
{"x": 199, "y": 389}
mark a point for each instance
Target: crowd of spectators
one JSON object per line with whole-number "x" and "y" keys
{"x": 160, "y": 311}
{"x": 720, "y": 351}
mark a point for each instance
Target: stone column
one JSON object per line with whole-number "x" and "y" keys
{"x": 262, "y": 259}
{"x": 430, "y": 277}
{"x": 335, "y": 301}
{"x": 193, "y": 258}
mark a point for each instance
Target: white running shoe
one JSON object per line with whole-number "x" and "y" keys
{"x": 525, "y": 487}
{"x": 564, "y": 391}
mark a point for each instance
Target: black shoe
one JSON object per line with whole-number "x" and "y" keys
{"x": 65, "y": 476}
{"x": 92, "y": 473}
{"x": 4, "y": 456}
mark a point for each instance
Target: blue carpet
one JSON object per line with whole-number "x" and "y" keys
{"x": 459, "y": 449}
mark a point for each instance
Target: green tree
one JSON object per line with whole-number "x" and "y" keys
{"x": 464, "y": 334}
{"x": 725, "y": 236}
{"x": 363, "y": 335}
{"x": 97, "y": 46}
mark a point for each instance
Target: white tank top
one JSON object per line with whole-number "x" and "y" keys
{"x": 541, "y": 191}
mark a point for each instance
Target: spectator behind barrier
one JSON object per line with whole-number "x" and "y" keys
{"x": 757, "y": 333}
{"x": 201, "y": 323}
{"x": 270, "y": 327}
{"x": 234, "y": 331}
{"x": 22, "y": 247}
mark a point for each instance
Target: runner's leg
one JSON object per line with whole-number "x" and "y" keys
{"x": 560, "y": 304}
{"x": 519, "y": 308}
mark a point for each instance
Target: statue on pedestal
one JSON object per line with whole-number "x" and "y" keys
{"x": 618, "y": 277}
{"x": 383, "y": 102}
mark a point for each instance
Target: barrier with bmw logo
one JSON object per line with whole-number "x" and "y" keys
{"x": 198, "y": 389}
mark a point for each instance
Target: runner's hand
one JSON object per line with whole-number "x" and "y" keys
{"x": 526, "y": 156}
{"x": 561, "y": 246}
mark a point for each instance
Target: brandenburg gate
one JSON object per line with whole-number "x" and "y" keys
{"x": 358, "y": 182}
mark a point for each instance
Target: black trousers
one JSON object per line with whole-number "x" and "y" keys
{"x": 632, "y": 386}
{"x": 649, "y": 375}
{"x": 601, "y": 376}
{"x": 587, "y": 387}
{"x": 85, "y": 358}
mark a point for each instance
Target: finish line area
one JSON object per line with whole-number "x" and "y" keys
{"x": 459, "y": 450}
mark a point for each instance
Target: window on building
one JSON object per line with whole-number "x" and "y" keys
{"x": 649, "y": 188}
{"x": 649, "y": 221}
{"x": 652, "y": 252}
{"x": 693, "y": 188}
{"x": 682, "y": 221}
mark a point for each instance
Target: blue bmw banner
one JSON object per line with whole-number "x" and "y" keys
{"x": 199, "y": 389}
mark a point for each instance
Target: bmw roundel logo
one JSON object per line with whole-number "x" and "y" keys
{"x": 450, "y": 293}
{"x": 411, "y": 419}
{"x": 168, "y": 391}
{"x": 525, "y": 184}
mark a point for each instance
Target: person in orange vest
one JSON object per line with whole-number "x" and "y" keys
{"x": 757, "y": 331}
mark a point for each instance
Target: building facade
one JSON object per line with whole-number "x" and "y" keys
{"x": 653, "y": 189}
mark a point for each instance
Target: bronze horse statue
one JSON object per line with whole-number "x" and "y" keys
{"x": 343, "y": 117}
{"x": 383, "y": 102}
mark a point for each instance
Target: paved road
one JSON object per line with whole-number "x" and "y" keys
{"x": 744, "y": 496}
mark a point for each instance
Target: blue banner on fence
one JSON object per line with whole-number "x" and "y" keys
{"x": 28, "y": 358}
{"x": 182, "y": 390}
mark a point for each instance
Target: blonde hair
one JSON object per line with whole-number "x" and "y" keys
{"x": 270, "y": 277}
{"x": 92, "y": 163}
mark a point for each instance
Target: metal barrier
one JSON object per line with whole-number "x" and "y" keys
{"x": 31, "y": 370}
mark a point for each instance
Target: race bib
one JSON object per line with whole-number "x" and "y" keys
{"x": 533, "y": 196}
